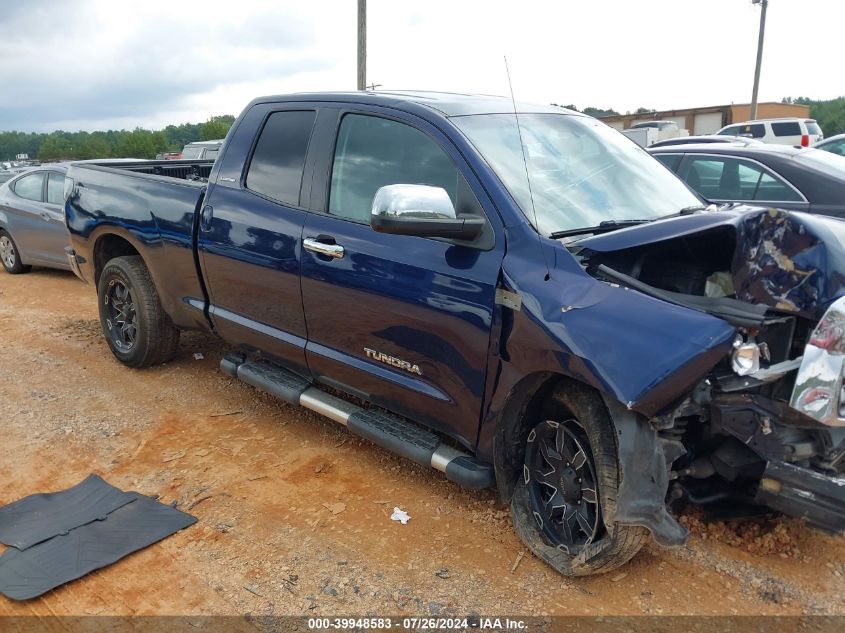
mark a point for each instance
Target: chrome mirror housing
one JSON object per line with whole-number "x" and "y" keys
{"x": 413, "y": 201}
{"x": 422, "y": 211}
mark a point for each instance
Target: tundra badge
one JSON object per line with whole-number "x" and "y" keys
{"x": 392, "y": 360}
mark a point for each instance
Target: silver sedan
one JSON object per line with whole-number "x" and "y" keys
{"x": 32, "y": 220}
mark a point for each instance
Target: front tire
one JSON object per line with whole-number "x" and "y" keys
{"x": 138, "y": 331}
{"x": 10, "y": 256}
{"x": 568, "y": 485}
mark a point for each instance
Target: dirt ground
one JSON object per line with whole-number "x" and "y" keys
{"x": 294, "y": 513}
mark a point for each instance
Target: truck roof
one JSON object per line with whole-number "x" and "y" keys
{"x": 446, "y": 103}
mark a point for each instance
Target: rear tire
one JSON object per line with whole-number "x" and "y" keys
{"x": 568, "y": 484}
{"x": 136, "y": 327}
{"x": 10, "y": 256}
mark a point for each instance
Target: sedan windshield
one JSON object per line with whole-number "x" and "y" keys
{"x": 580, "y": 171}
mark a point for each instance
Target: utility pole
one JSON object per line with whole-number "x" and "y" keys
{"x": 362, "y": 44}
{"x": 765, "y": 5}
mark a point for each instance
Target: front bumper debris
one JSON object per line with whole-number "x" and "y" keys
{"x": 808, "y": 494}
{"x": 818, "y": 386}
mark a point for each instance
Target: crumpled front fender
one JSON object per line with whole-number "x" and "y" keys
{"x": 644, "y": 465}
{"x": 644, "y": 352}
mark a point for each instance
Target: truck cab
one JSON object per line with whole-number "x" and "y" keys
{"x": 513, "y": 294}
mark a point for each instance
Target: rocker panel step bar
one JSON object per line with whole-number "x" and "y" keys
{"x": 383, "y": 429}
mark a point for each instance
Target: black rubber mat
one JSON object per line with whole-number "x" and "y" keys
{"x": 39, "y": 517}
{"x": 29, "y": 573}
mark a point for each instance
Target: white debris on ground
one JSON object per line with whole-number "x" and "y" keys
{"x": 400, "y": 515}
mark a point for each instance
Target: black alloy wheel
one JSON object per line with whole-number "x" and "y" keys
{"x": 122, "y": 318}
{"x": 138, "y": 330}
{"x": 561, "y": 478}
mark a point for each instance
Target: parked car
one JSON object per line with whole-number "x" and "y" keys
{"x": 690, "y": 140}
{"x": 775, "y": 175}
{"x": 648, "y": 133}
{"x": 201, "y": 149}
{"x": 784, "y": 131}
{"x": 579, "y": 343}
{"x": 32, "y": 220}
{"x": 834, "y": 144}
{"x": 657, "y": 125}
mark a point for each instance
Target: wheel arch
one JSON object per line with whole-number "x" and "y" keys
{"x": 517, "y": 416}
{"x": 642, "y": 461}
{"x": 108, "y": 246}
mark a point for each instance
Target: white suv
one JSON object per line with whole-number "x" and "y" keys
{"x": 786, "y": 131}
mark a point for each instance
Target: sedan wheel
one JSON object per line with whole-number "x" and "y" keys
{"x": 9, "y": 256}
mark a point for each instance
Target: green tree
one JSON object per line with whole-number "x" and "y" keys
{"x": 140, "y": 143}
{"x": 97, "y": 146}
{"x": 216, "y": 127}
{"x": 55, "y": 147}
{"x": 829, "y": 114}
{"x": 599, "y": 112}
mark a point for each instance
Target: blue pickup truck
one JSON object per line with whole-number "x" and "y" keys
{"x": 515, "y": 295}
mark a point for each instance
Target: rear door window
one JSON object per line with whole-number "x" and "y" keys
{"x": 29, "y": 187}
{"x": 277, "y": 164}
{"x": 723, "y": 178}
{"x": 812, "y": 127}
{"x": 786, "y": 128}
{"x": 754, "y": 130}
{"x": 55, "y": 188}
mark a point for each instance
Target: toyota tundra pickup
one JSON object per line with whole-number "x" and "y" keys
{"x": 515, "y": 295}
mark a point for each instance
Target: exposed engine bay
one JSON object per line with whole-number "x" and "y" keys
{"x": 746, "y": 432}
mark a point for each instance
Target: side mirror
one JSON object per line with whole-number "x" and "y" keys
{"x": 420, "y": 210}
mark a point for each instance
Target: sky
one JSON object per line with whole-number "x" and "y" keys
{"x": 109, "y": 64}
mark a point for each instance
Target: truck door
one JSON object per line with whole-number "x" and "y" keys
{"x": 402, "y": 321}
{"x": 250, "y": 235}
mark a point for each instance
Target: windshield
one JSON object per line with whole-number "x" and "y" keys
{"x": 191, "y": 152}
{"x": 582, "y": 172}
{"x": 827, "y": 162}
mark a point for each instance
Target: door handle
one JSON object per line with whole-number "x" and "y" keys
{"x": 45, "y": 215}
{"x": 206, "y": 217}
{"x": 314, "y": 245}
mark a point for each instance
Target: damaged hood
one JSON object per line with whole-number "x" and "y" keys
{"x": 790, "y": 261}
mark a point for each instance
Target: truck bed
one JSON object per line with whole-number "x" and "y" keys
{"x": 182, "y": 169}
{"x": 153, "y": 206}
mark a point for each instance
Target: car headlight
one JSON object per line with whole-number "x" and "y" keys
{"x": 745, "y": 359}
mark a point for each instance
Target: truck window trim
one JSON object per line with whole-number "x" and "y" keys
{"x": 486, "y": 241}
{"x": 254, "y": 145}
